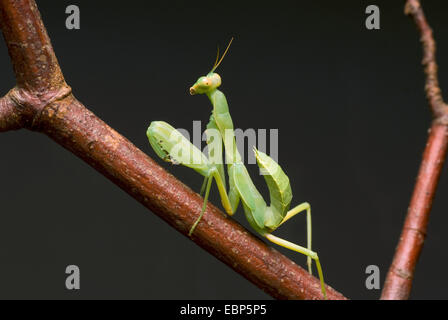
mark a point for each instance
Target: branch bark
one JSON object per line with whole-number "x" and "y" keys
{"x": 399, "y": 278}
{"x": 10, "y": 119}
{"x": 33, "y": 59}
{"x": 43, "y": 102}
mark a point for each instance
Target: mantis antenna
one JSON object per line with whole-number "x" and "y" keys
{"x": 216, "y": 61}
{"x": 222, "y": 57}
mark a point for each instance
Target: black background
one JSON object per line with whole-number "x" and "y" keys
{"x": 352, "y": 117}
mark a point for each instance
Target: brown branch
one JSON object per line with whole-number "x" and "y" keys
{"x": 35, "y": 64}
{"x": 47, "y": 105}
{"x": 10, "y": 118}
{"x": 399, "y": 278}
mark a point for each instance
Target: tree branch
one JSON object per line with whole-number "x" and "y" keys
{"x": 399, "y": 278}
{"x": 10, "y": 119}
{"x": 47, "y": 105}
{"x": 35, "y": 64}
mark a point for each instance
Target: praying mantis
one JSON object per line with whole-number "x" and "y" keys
{"x": 170, "y": 145}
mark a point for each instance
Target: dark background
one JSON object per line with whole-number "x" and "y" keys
{"x": 352, "y": 117}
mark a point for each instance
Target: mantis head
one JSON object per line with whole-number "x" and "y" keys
{"x": 206, "y": 84}
{"x": 212, "y": 80}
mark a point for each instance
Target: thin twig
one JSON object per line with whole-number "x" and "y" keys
{"x": 48, "y": 106}
{"x": 399, "y": 278}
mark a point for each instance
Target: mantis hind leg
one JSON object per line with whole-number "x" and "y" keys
{"x": 296, "y": 210}
{"x": 302, "y": 250}
{"x": 204, "y": 206}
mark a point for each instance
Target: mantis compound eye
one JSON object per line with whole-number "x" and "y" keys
{"x": 216, "y": 80}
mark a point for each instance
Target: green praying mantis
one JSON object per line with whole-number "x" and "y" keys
{"x": 170, "y": 145}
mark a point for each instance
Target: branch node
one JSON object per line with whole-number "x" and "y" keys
{"x": 31, "y": 104}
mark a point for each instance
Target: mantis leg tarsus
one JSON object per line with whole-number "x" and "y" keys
{"x": 296, "y": 210}
{"x": 204, "y": 206}
{"x": 294, "y": 247}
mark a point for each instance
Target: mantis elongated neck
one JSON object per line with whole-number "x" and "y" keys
{"x": 225, "y": 125}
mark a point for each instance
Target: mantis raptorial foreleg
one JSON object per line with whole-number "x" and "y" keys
{"x": 211, "y": 153}
{"x": 172, "y": 146}
{"x": 229, "y": 204}
{"x": 215, "y": 140}
{"x": 311, "y": 254}
{"x": 294, "y": 211}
